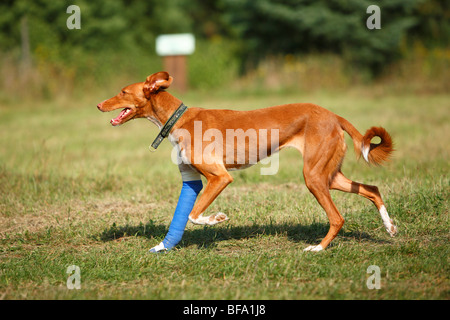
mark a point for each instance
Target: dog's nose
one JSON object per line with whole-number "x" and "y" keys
{"x": 99, "y": 106}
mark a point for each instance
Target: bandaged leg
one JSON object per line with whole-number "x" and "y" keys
{"x": 192, "y": 185}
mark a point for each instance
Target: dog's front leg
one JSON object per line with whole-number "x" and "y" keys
{"x": 192, "y": 184}
{"x": 214, "y": 186}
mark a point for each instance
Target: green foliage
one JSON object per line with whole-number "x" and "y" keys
{"x": 116, "y": 42}
{"x": 115, "y": 45}
{"x": 433, "y": 27}
{"x": 213, "y": 64}
{"x": 299, "y": 26}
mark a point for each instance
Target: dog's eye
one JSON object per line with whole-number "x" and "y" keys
{"x": 124, "y": 92}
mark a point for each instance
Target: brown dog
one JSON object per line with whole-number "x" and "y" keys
{"x": 314, "y": 131}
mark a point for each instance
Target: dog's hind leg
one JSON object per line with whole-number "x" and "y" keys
{"x": 321, "y": 191}
{"x": 340, "y": 182}
{"x": 322, "y": 159}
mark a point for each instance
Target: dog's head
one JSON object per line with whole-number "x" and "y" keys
{"x": 135, "y": 99}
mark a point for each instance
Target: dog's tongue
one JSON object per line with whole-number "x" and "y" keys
{"x": 117, "y": 120}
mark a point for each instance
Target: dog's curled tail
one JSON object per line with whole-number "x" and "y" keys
{"x": 373, "y": 153}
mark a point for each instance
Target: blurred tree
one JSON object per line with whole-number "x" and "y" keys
{"x": 433, "y": 27}
{"x": 209, "y": 19}
{"x": 263, "y": 27}
{"x": 103, "y": 24}
{"x": 300, "y": 26}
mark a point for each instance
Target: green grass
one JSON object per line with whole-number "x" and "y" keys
{"x": 75, "y": 191}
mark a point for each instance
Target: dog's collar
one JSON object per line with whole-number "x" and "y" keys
{"x": 164, "y": 133}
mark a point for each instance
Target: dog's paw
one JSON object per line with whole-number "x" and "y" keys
{"x": 211, "y": 220}
{"x": 220, "y": 217}
{"x": 200, "y": 220}
{"x": 392, "y": 230}
{"x": 314, "y": 248}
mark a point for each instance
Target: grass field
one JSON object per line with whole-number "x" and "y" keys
{"x": 75, "y": 191}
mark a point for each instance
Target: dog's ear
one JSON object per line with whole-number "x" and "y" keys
{"x": 156, "y": 82}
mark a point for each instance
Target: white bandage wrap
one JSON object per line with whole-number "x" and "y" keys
{"x": 188, "y": 173}
{"x": 160, "y": 247}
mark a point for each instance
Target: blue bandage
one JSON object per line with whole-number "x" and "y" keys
{"x": 186, "y": 201}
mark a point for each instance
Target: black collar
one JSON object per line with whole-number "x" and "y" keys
{"x": 164, "y": 133}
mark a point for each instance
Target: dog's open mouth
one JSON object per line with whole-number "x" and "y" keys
{"x": 121, "y": 117}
